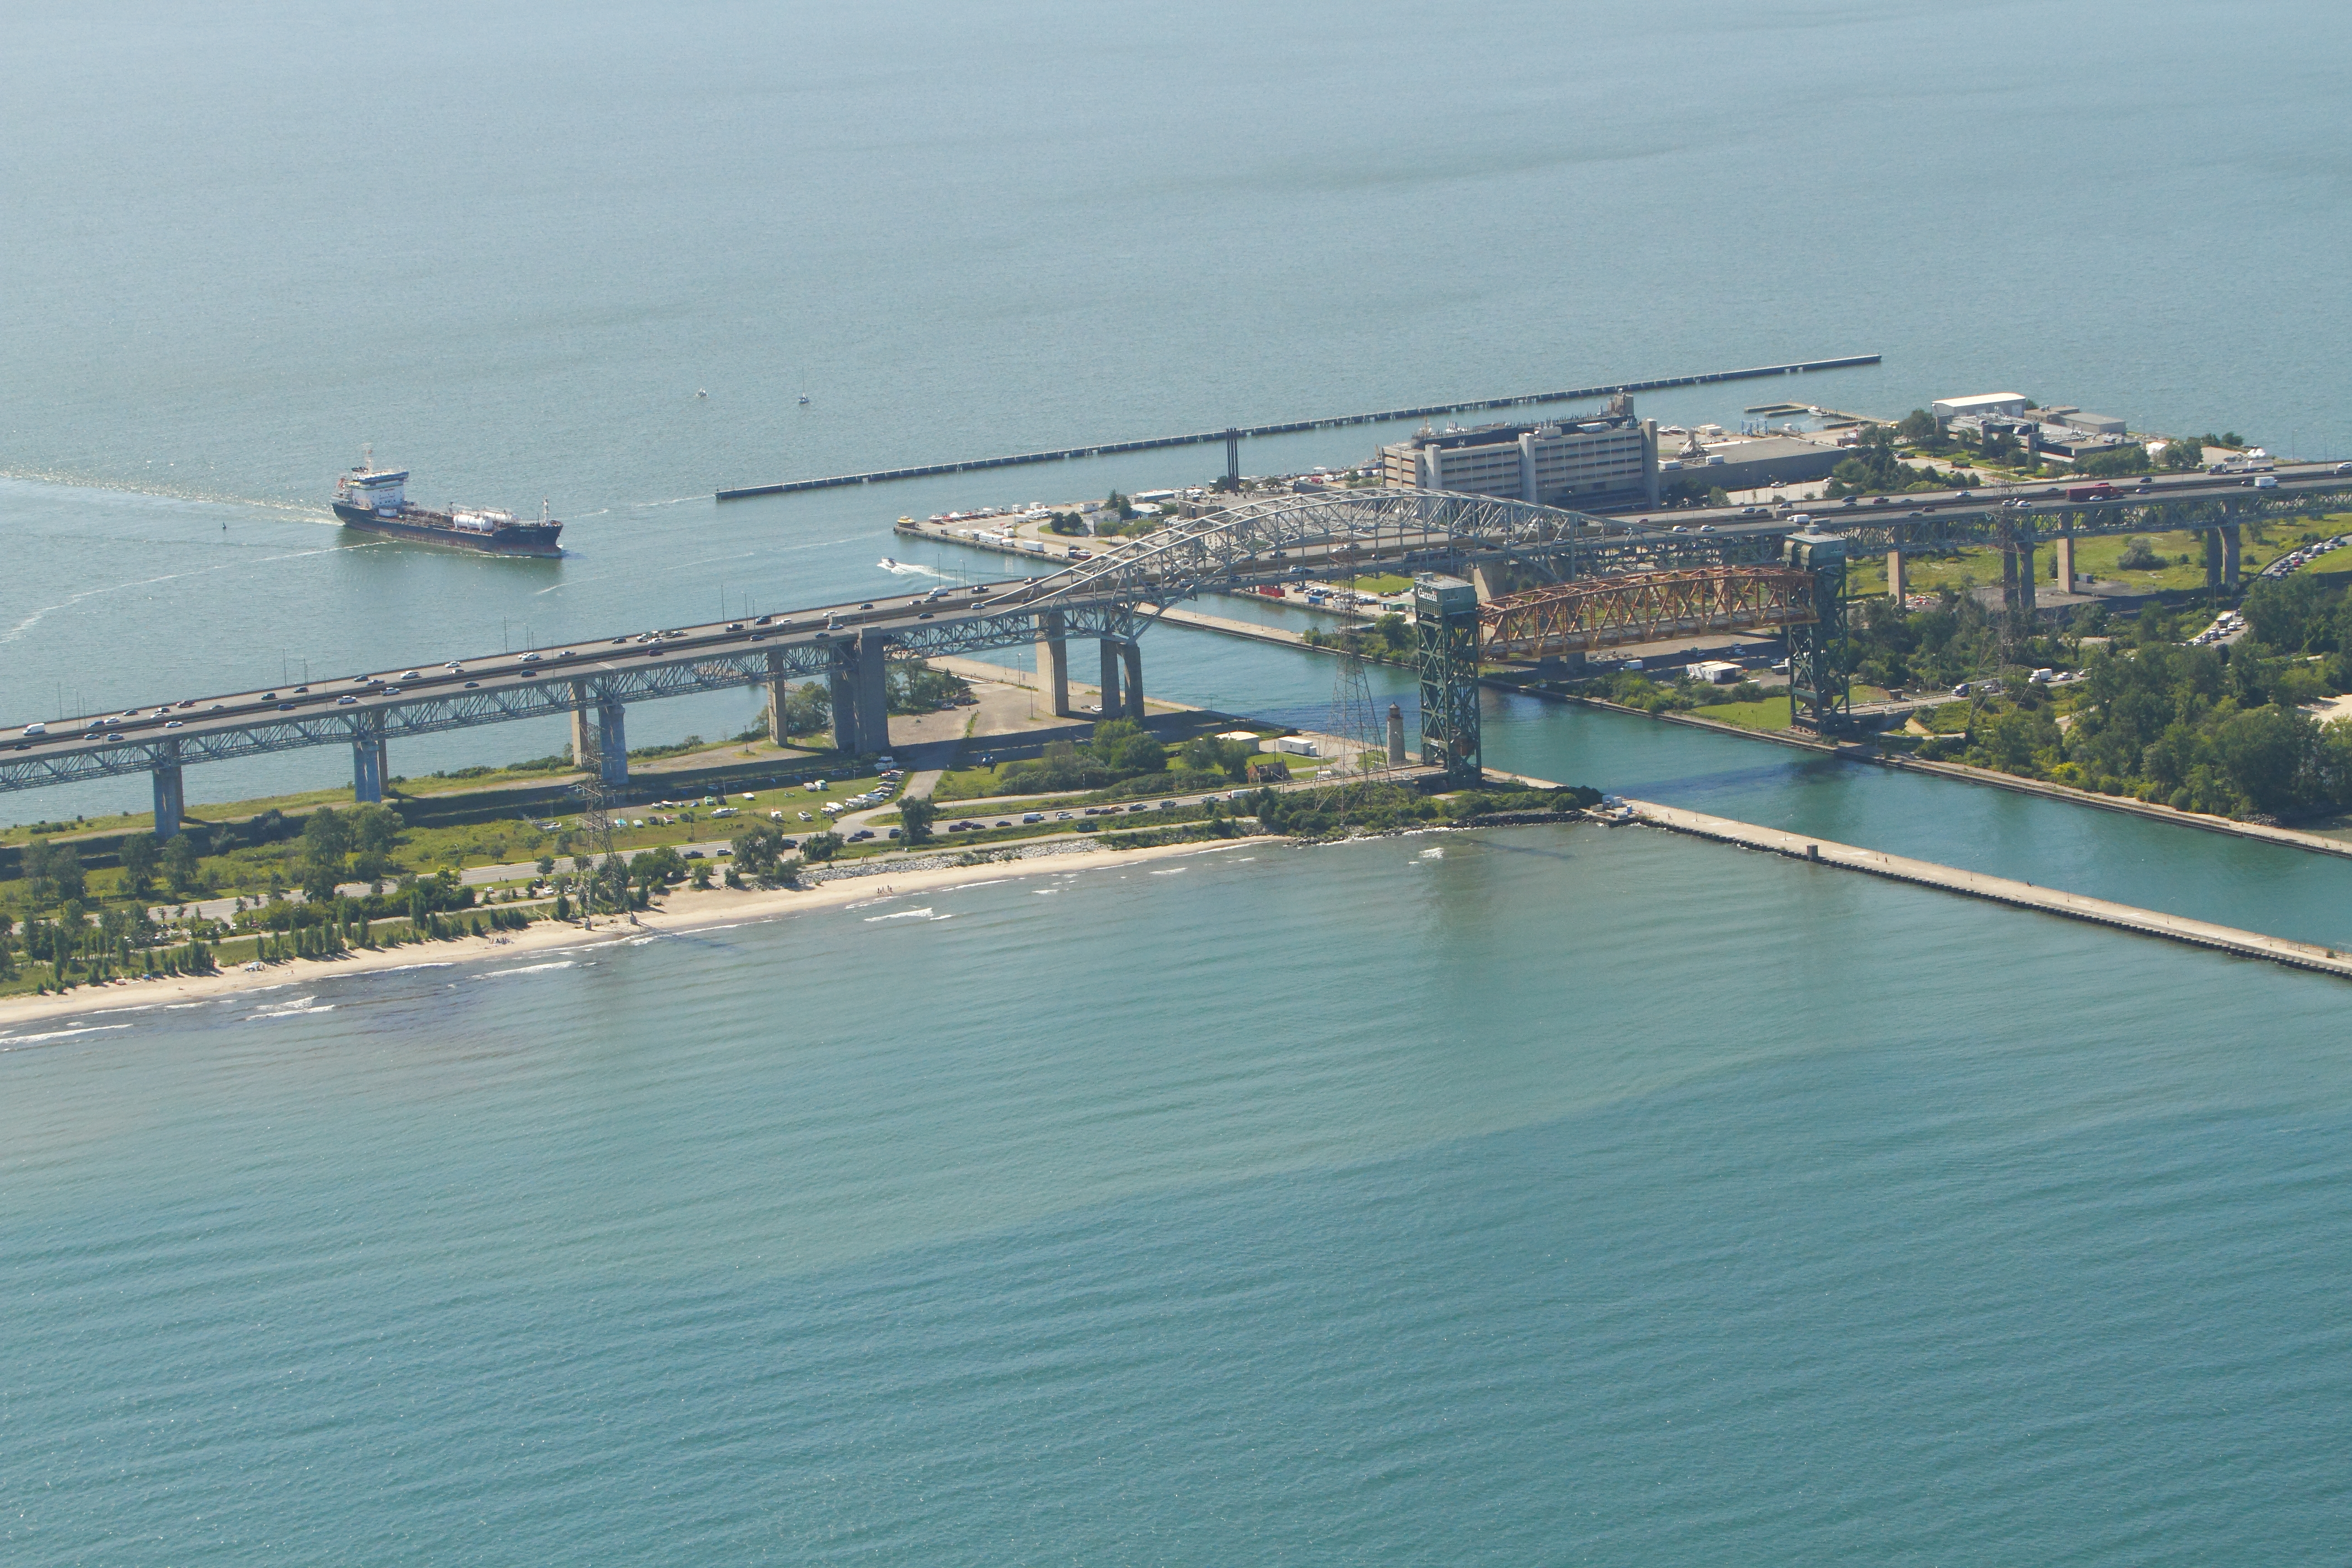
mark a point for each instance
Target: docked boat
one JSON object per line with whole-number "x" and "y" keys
{"x": 374, "y": 500}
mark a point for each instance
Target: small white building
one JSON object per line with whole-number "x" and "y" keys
{"x": 1715, "y": 672}
{"x": 1243, "y": 738}
{"x": 1980, "y": 405}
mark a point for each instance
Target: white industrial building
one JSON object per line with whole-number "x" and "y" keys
{"x": 1983, "y": 405}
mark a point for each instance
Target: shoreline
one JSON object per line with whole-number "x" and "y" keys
{"x": 683, "y": 909}
{"x": 1963, "y": 772}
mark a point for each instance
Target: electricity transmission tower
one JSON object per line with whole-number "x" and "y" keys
{"x": 596, "y": 817}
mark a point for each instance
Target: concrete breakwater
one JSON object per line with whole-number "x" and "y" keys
{"x": 1999, "y": 889}
{"x": 1330, "y": 422}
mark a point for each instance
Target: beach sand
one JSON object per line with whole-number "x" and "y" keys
{"x": 682, "y": 910}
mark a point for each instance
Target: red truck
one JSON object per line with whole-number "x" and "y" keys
{"x": 2100, "y": 492}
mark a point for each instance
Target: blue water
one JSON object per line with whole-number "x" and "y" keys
{"x": 1558, "y": 1196}
{"x": 1573, "y": 1196}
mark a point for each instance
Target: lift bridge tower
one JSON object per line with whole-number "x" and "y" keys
{"x": 1819, "y": 697}
{"x": 1446, "y": 613}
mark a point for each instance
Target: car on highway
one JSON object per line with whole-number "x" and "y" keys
{"x": 530, "y": 658}
{"x": 410, "y": 675}
{"x": 36, "y": 728}
{"x": 345, "y": 700}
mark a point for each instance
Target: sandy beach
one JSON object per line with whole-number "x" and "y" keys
{"x": 681, "y": 910}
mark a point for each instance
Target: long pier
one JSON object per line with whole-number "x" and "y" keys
{"x": 1238, "y": 433}
{"x": 2001, "y": 891}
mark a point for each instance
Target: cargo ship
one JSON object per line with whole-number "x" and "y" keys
{"x": 374, "y": 500}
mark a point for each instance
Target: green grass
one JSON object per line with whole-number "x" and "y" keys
{"x": 1769, "y": 714}
{"x": 2092, "y": 557}
{"x": 1384, "y": 583}
{"x": 471, "y": 827}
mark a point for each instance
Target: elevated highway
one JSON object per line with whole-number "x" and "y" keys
{"x": 1113, "y": 599}
{"x": 1496, "y": 544}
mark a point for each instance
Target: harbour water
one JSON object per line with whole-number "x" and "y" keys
{"x": 1532, "y": 1195}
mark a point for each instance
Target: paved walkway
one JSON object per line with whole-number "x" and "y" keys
{"x": 1999, "y": 889}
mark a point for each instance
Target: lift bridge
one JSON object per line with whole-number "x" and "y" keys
{"x": 1464, "y": 550}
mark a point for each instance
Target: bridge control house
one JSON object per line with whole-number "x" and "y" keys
{"x": 1606, "y": 461}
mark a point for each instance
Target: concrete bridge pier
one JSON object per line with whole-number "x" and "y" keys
{"x": 600, "y": 740}
{"x": 368, "y": 761}
{"x": 2065, "y": 546}
{"x": 1132, "y": 654}
{"x": 872, "y": 692}
{"x": 2025, "y": 578}
{"x": 171, "y": 797}
{"x": 841, "y": 683}
{"x": 1054, "y": 661}
{"x": 780, "y": 691}
{"x": 2229, "y": 557}
{"x": 2007, "y": 575}
{"x": 1896, "y": 585}
{"x": 1111, "y": 706}
{"x": 2212, "y": 560}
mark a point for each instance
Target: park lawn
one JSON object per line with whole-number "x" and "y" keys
{"x": 1966, "y": 569}
{"x": 1767, "y": 713}
{"x": 504, "y": 838}
{"x": 1383, "y": 583}
{"x": 144, "y": 822}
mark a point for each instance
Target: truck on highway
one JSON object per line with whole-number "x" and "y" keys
{"x": 2100, "y": 491}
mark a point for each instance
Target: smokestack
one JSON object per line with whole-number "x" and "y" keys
{"x": 1396, "y": 736}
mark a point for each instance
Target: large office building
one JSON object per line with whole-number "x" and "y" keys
{"x": 1608, "y": 461}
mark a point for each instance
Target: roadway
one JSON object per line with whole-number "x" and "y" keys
{"x": 1115, "y": 590}
{"x": 2040, "y": 496}
{"x": 194, "y": 717}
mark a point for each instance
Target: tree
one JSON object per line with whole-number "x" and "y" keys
{"x": 821, "y": 846}
{"x": 916, "y": 687}
{"x": 546, "y": 865}
{"x": 1122, "y": 745}
{"x": 2128, "y": 458}
{"x": 52, "y": 872}
{"x": 179, "y": 864}
{"x": 916, "y": 816}
{"x": 2263, "y": 752}
{"x": 2183, "y": 453}
{"x": 326, "y": 839}
{"x": 808, "y": 708}
{"x": 138, "y": 864}
{"x": 375, "y": 829}
{"x": 1918, "y": 425}
{"x": 701, "y": 876}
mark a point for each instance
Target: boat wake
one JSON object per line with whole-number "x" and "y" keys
{"x": 909, "y": 569}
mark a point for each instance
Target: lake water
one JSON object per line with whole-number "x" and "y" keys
{"x": 1532, "y": 1195}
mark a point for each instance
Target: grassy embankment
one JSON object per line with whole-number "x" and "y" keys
{"x": 478, "y": 817}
